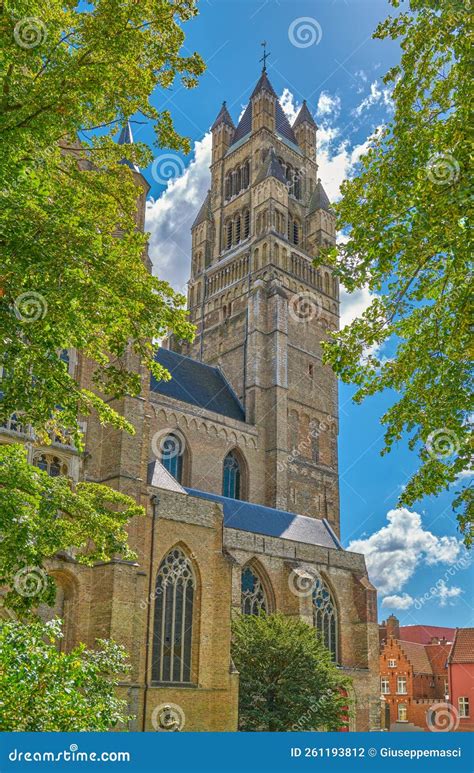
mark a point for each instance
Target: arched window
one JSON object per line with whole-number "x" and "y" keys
{"x": 246, "y": 175}
{"x": 173, "y": 623}
{"x": 172, "y": 456}
{"x": 238, "y": 180}
{"x": 253, "y": 596}
{"x": 237, "y": 229}
{"x": 246, "y": 224}
{"x": 231, "y": 477}
{"x": 325, "y": 616}
{"x": 296, "y": 232}
{"x": 228, "y": 186}
{"x": 51, "y": 464}
{"x": 229, "y": 234}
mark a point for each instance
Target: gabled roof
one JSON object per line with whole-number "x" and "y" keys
{"x": 319, "y": 199}
{"x": 423, "y": 634}
{"x": 282, "y": 124}
{"x": 417, "y": 656}
{"x": 197, "y": 384}
{"x": 205, "y": 212}
{"x": 247, "y": 516}
{"x": 223, "y": 117}
{"x": 126, "y": 138}
{"x": 271, "y": 167}
{"x": 304, "y": 115}
{"x": 463, "y": 647}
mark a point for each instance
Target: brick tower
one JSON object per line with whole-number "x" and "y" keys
{"x": 260, "y": 306}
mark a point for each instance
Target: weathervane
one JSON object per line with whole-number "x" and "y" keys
{"x": 265, "y": 55}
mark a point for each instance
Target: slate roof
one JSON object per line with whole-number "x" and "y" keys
{"x": 282, "y": 123}
{"x": 319, "y": 199}
{"x": 205, "y": 211}
{"x": 271, "y": 168}
{"x": 126, "y": 138}
{"x": 304, "y": 115}
{"x": 422, "y": 634}
{"x": 463, "y": 646}
{"x": 158, "y": 475}
{"x": 198, "y": 384}
{"x": 417, "y": 656}
{"x": 247, "y": 516}
{"x": 223, "y": 117}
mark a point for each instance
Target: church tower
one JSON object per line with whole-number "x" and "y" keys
{"x": 260, "y": 306}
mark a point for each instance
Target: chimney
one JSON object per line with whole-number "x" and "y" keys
{"x": 434, "y": 640}
{"x": 393, "y": 627}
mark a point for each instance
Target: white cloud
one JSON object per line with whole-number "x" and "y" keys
{"x": 290, "y": 106}
{"x": 328, "y": 105}
{"x": 376, "y": 95}
{"x": 394, "y": 552}
{"x": 353, "y": 304}
{"x": 170, "y": 217}
{"x": 445, "y": 593}
{"x": 405, "y": 601}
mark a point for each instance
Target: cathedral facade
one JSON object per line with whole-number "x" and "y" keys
{"x": 234, "y": 458}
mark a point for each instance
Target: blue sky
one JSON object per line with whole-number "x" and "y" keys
{"x": 322, "y": 51}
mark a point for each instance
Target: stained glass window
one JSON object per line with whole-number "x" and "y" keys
{"x": 231, "y": 477}
{"x": 325, "y": 616}
{"x": 173, "y": 623}
{"x": 254, "y": 600}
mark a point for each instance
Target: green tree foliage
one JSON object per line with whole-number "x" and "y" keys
{"x": 66, "y": 279}
{"x": 41, "y": 516}
{"x": 44, "y": 689}
{"x": 288, "y": 681}
{"x": 406, "y": 220}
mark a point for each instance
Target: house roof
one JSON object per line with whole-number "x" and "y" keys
{"x": 417, "y": 656}
{"x": 304, "y": 115}
{"x": 463, "y": 646}
{"x": 423, "y": 634}
{"x": 271, "y": 168}
{"x": 198, "y": 384}
{"x": 282, "y": 124}
{"x": 247, "y": 516}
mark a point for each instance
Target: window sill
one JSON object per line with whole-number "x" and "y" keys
{"x": 185, "y": 685}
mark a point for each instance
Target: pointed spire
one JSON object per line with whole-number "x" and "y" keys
{"x": 263, "y": 84}
{"x": 223, "y": 117}
{"x": 205, "y": 212}
{"x": 126, "y": 138}
{"x": 319, "y": 199}
{"x": 303, "y": 116}
{"x": 271, "y": 168}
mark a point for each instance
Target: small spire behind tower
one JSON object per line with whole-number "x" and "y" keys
{"x": 126, "y": 138}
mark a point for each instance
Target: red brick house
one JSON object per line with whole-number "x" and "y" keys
{"x": 461, "y": 679}
{"x": 413, "y": 674}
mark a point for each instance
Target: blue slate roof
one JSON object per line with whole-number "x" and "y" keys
{"x": 247, "y": 516}
{"x": 198, "y": 384}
